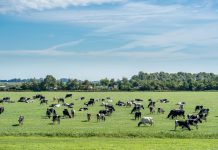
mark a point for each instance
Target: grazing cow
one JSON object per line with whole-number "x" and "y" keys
{"x": 73, "y": 113}
{"x": 164, "y": 100}
{"x": 100, "y": 117}
{"x": 43, "y": 102}
{"x": 204, "y": 111}
{"x": 56, "y": 118}
{"x": 60, "y": 100}
{"x": 89, "y": 117}
{"x": 83, "y": 109}
{"x": 105, "y": 112}
{"x": 2, "y": 109}
{"x": 137, "y": 108}
{"x": 182, "y": 124}
{"x": 194, "y": 122}
{"x": 66, "y": 113}
{"x": 151, "y": 103}
{"x": 174, "y": 113}
{"x": 160, "y": 111}
{"x": 120, "y": 103}
{"x": 199, "y": 107}
{"x": 90, "y": 102}
{"x": 146, "y": 120}
{"x": 138, "y": 115}
{"x": 68, "y": 95}
{"x": 68, "y": 105}
{"x": 50, "y": 111}
{"x": 38, "y": 96}
{"x": 152, "y": 109}
{"x": 21, "y": 120}
{"x": 22, "y": 99}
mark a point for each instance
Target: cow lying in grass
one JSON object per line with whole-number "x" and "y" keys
{"x": 146, "y": 120}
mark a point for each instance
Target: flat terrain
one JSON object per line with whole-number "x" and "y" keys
{"x": 119, "y": 130}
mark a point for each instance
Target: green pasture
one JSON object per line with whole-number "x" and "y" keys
{"x": 119, "y": 125}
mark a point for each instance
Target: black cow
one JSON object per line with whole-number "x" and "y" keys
{"x": 137, "y": 108}
{"x": 21, "y": 120}
{"x": 56, "y": 118}
{"x": 68, "y": 95}
{"x": 204, "y": 111}
{"x": 50, "y": 112}
{"x": 5, "y": 99}
{"x": 38, "y": 96}
{"x": 160, "y": 111}
{"x": 199, "y": 107}
{"x": 110, "y": 107}
{"x": 138, "y": 115}
{"x": 120, "y": 103}
{"x": 151, "y": 103}
{"x": 22, "y": 99}
{"x": 174, "y": 113}
{"x": 72, "y": 113}
{"x": 182, "y": 124}
{"x": 2, "y": 109}
{"x": 66, "y": 113}
{"x": 89, "y": 117}
{"x": 90, "y": 102}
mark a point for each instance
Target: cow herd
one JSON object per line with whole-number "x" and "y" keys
{"x": 136, "y": 105}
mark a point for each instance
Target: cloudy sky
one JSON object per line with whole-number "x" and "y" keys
{"x": 93, "y": 39}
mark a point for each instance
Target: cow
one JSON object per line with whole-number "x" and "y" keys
{"x": 90, "y": 102}
{"x": 43, "y": 102}
{"x": 152, "y": 109}
{"x": 111, "y": 107}
{"x": 56, "y": 118}
{"x": 120, "y": 103}
{"x": 68, "y": 105}
{"x": 66, "y": 113}
{"x": 204, "y": 111}
{"x": 138, "y": 115}
{"x": 151, "y": 103}
{"x": 5, "y": 99}
{"x": 200, "y": 116}
{"x": 83, "y": 109}
{"x": 194, "y": 122}
{"x": 181, "y": 103}
{"x": 164, "y": 100}
{"x": 100, "y": 117}
{"x": 73, "y": 113}
{"x": 198, "y": 107}
{"x": 129, "y": 104}
{"x": 160, "y": 111}
{"x": 38, "y": 96}
{"x": 60, "y": 100}
{"x": 105, "y": 112}
{"x": 181, "y": 106}
{"x": 22, "y": 99}
{"x": 2, "y": 109}
{"x": 50, "y": 112}
{"x": 68, "y": 95}
{"x": 21, "y": 120}
{"x": 182, "y": 124}
{"x": 146, "y": 120}
{"x": 174, "y": 113}
{"x": 89, "y": 116}
{"x": 137, "y": 108}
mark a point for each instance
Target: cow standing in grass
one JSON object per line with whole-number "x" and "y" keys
{"x": 56, "y": 118}
{"x": 183, "y": 124}
{"x": 89, "y": 116}
{"x": 21, "y": 120}
{"x": 2, "y": 109}
{"x": 138, "y": 115}
{"x": 100, "y": 117}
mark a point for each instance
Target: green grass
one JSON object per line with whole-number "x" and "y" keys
{"x": 45, "y": 143}
{"x": 119, "y": 125}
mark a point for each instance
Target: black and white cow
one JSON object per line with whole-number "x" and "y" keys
{"x": 164, "y": 100}
{"x": 50, "y": 112}
{"x": 43, "y": 101}
{"x": 137, "y": 107}
{"x": 152, "y": 109}
{"x": 198, "y": 107}
{"x": 182, "y": 124}
{"x": 174, "y": 113}
{"x": 100, "y": 117}
{"x": 90, "y": 102}
{"x": 21, "y": 120}
{"x": 66, "y": 113}
{"x": 160, "y": 111}
{"x": 56, "y": 118}
{"x": 60, "y": 100}
{"x": 69, "y": 96}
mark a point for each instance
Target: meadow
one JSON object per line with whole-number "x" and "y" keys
{"x": 121, "y": 126}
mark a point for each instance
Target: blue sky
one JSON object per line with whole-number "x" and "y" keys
{"x": 93, "y": 39}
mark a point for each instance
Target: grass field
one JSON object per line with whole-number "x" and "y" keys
{"x": 117, "y": 129}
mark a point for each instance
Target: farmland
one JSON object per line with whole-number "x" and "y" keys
{"x": 118, "y": 127}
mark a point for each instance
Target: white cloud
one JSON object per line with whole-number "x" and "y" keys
{"x": 7, "y": 6}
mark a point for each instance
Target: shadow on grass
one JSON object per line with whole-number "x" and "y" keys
{"x": 15, "y": 125}
{"x": 85, "y": 121}
{"x": 216, "y": 116}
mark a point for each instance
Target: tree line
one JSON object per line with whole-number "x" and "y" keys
{"x": 160, "y": 81}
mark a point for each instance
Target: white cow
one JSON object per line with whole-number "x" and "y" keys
{"x": 146, "y": 120}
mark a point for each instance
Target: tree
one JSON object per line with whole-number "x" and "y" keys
{"x": 49, "y": 83}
